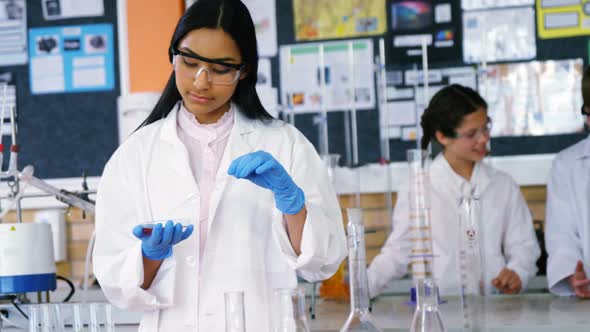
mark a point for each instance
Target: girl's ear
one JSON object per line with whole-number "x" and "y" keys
{"x": 442, "y": 139}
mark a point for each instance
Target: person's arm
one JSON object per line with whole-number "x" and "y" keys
{"x": 295, "y": 223}
{"x": 562, "y": 237}
{"x": 150, "y": 269}
{"x": 316, "y": 234}
{"x": 310, "y": 233}
{"x": 520, "y": 245}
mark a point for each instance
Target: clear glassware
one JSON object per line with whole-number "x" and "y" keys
{"x": 421, "y": 254}
{"x": 334, "y": 288}
{"x": 108, "y": 315}
{"x": 289, "y": 306}
{"x": 47, "y": 318}
{"x": 235, "y": 320}
{"x": 59, "y": 318}
{"x": 331, "y": 162}
{"x": 34, "y": 318}
{"x": 78, "y": 326}
{"x": 471, "y": 261}
{"x": 427, "y": 318}
{"x": 94, "y": 317}
{"x": 359, "y": 319}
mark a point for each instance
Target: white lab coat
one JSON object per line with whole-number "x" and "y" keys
{"x": 508, "y": 229}
{"x": 248, "y": 249}
{"x": 567, "y": 229}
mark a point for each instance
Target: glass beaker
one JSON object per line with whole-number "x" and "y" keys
{"x": 234, "y": 312}
{"x": 359, "y": 319}
{"x": 427, "y": 318}
{"x": 289, "y": 304}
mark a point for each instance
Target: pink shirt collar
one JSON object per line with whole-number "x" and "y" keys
{"x": 205, "y": 133}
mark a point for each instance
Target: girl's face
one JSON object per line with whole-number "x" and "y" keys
{"x": 471, "y": 137}
{"x": 206, "y": 87}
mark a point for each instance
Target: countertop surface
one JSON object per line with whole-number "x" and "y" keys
{"x": 523, "y": 313}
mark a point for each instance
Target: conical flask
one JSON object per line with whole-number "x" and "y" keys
{"x": 359, "y": 319}
{"x": 427, "y": 318}
{"x": 289, "y": 306}
{"x": 234, "y": 312}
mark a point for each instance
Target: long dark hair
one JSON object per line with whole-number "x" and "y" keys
{"x": 447, "y": 109}
{"x": 234, "y": 18}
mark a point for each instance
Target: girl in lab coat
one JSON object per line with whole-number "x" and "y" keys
{"x": 457, "y": 119}
{"x": 567, "y": 230}
{"x": 252, "y": 189}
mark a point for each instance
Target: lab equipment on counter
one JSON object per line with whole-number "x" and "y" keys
{"x": 471, "y": 261}
{"x": 427, "y": 317}
{"x": 421, "y": 253}
{"x": 385, "y": 134}
{"x": 65, "y": 196}
{"x": 335, "y": 287}
{"x": 359, "y": 319}
{"x": 27, "y": 263}
{"x": 235, "y": 320}
{"x": 58, "y": 317}
{"x": 289, "y": 310}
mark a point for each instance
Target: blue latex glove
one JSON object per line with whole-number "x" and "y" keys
{"x": 265, "y": 171}
{"x": 158, "y": 245}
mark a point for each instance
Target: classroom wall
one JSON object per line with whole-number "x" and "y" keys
{"x": 148, "y": 39}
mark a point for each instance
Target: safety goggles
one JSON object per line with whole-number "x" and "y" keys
{"x": 218, "y": 72}
{"x": 475, "y": 134}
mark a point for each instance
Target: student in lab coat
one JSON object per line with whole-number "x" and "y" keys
{"x": 567, "y": 229}
{"x": 457, "y": 119}
{"x": 252, "y": 189}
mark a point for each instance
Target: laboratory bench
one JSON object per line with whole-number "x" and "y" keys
{"x": 523, "y": 313}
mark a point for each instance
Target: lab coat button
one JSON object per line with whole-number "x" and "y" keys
{"x": 191, "y": 261}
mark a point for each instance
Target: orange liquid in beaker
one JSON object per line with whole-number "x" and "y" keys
{"x": 335, "y": 288}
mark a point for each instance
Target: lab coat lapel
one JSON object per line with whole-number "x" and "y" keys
{"x": 242, "y": 140}
{"x": 481, "y": 177}
{"x": 177, "y": 156}
{"x": 444, "y": 179}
